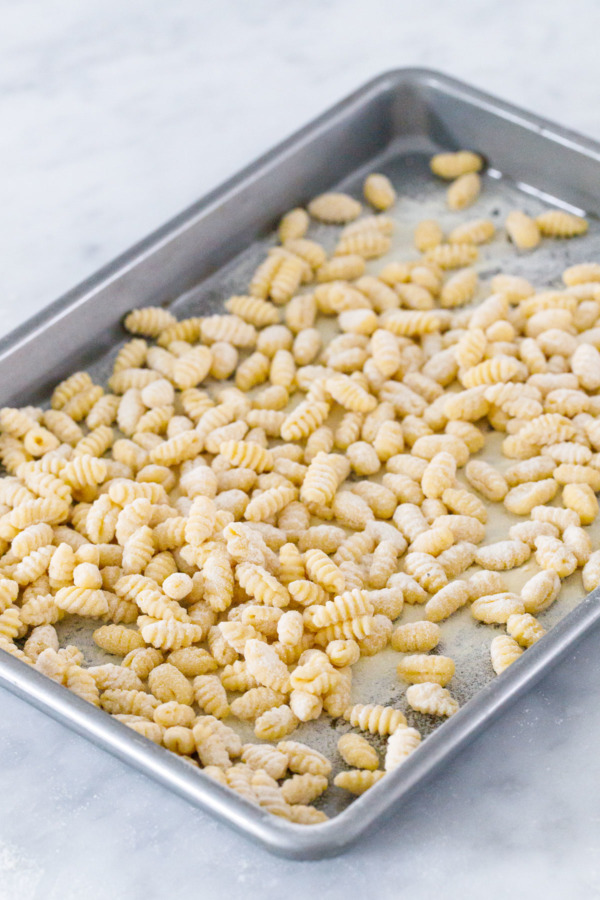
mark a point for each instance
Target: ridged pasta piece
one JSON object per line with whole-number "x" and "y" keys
{"x": 357, "y": 781}
{"x": 503, "y": 555}
{"x": 504, "y": 652}
{"x": 323, "y": 571}
{"x": 148, "y": 321}
{"x": 522, "y": 498}
{"x": 439, "y": 475}
{"x": 68, "y": 388}
{"x": 459, "y": 289}
{"x": 495, "y": 609}
{"x": 368, "y": 244}
{"x": 117, "y": 639}
{"x": 476, "y": 231}
{"x": 264, "y": 664}
{"x": 275, "y": 724}
{"x": 169, "y": 634}
{"x": 431, "y": 699}
{"x": 334, "y": 208}
{"x": 464, "y": 191}
{"x": 303, "y": 420}
{"x": 382, "y": 720}
{"x": 261, "y": 585}
{"x": 260, "y": 756}
{"x": 425, "y": 570}
{"x": 453, "y": 165}
{"x": 357, "y": 752}
{"x": 293, "y": 225}
{"x": 230, "y": 329}
{"x": 447, "y": 601}
{"x": 82, "y": 601}
{"x": 560, "y": 224}
{"x": 525, "y": 629}
{"x": 553, "y": 555}
{"x": 428, "y": 234}
{"x": 400, "y": 745}
{"x": 522, "y": 230}
{"x": 379, "y": 191}
{"x": 420, "y": 667}
{"x": 540, "y": 591}
{"x": 137, "y": 703}
{"x": 349, "y": 605}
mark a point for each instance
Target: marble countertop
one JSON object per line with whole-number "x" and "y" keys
{"x": 114, "y": 117}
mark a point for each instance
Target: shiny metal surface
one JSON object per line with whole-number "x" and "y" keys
{"x": 395, "y": 117}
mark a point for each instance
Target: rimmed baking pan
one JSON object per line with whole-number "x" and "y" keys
{"x": 392, "y": 124}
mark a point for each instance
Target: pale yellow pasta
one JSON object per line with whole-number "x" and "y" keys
{"x": 503, "y": 555}
{"x": 464, "y": 191}
{"x": 382, "y": 720}
{"x": 553, "y": 555}
{"x": 343, "y": 652}
{"x": 420, "y": 667}
{"x": 334, "y": 208}
{"x": 447, "y": 600}
{"x": 306, "y": 592}
{"x": 453, "y": 165}
{"x": 310, "y": 251}
{"x": 471, "y": 348}
{"x": 525, "y": 629}
{"x": 68, "y": 388}
{"x": 424, "y": 568}
{"x": 380, "y": 296}
{"x": 369, "y": 243}
{"x": 379, "y": 191}
{"x": 504, "y": 652}
{"x": 494, "y": 609}
{"x": 357, "y": 752}
{"x": 475, "y": 231}
{"x": 293, "y": 225}
{"x": 400, "y": 745}
{"x": 522, "y": 230}
{"x": 327, "y": 538}
{"x": 591, "y": 572}
{"x": 522, "y": 498}
{"x": 560, "y": 518}
{"x": 357, "y": 781}
{"x": 431, "y": 699}
{"x": 307, "y": 345}
{"x": 560, "y": 224}
{"x": 439, "y": 475}
{"x": 486, "y": 479}
{"x": 349, "y": 605}
{"x": 298, "y": 424}
{"x": 434, "y": 541}
{"x": 415, "y": 296}
{"x": 256, "y": 701}
{"x": 262, "y": 535}
{"x": 210, "y": 695}
{"x": 459, "y": 289}
{"x": 429, "y": 445}
{"x": 409, "y": 323}
{"x": 169, "y": 634}
{"x": 275, "y": 724}
{"x": 428, "y": 234}
{"x": 323, "y": 571}
{"x": 266, "y": 667}
{"x": 230, "y": 329}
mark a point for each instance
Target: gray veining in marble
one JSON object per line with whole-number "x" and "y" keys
{"x": 113, "y": 117}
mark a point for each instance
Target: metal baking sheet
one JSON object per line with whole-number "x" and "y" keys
{"x": 393, "y": 124}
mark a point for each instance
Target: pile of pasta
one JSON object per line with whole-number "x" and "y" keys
{"x": 248, "y": 507}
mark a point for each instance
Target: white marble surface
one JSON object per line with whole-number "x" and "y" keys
{"x": 113, "y": 117}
